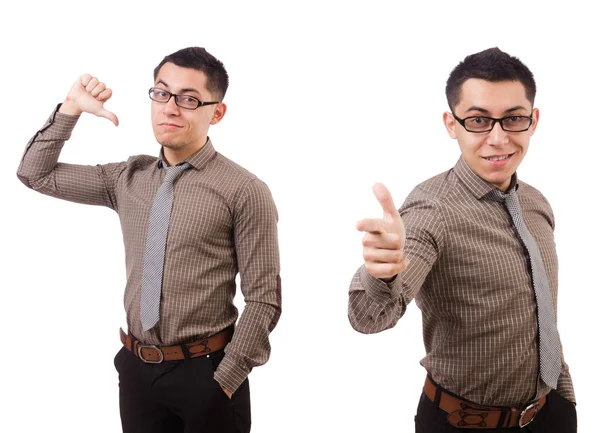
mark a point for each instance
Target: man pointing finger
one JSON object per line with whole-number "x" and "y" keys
{"x": 483, "y": 267}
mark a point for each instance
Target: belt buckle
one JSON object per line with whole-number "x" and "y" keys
{"x": 531, "y": 406}
{"x": 150, "y": 346}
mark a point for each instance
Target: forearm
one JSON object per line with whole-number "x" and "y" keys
{"x": 40, "y": 170}
{"x": 43, "y": 150}
{"x": 374, "y": 305}
{"x": 250, "y": 345}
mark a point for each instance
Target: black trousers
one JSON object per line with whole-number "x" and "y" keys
{"x": 557, "y": 416}
{"x": 178, "y": 397}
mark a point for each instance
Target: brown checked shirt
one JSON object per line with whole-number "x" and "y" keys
{"x": 223, "y": 222}
{"x": 469, "y": 275}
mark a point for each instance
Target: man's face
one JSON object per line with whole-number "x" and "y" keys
{"x": 495, "y": 155}
{"x": 181, "y": 131}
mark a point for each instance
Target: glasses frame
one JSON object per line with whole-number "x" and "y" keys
{"x": 494, "y": 121}
{"x": 177, "y": 96}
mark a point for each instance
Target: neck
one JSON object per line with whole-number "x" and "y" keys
{"x": 504, "y": 186}
{"x": 176, "y": 156}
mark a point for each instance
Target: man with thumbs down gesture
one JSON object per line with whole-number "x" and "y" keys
{"x": 192, "y": 220}
{"x": 474, "y": 247}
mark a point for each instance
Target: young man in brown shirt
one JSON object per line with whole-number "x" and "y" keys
{"x": 474, "y": 247}
{"x": 182, "y": 367}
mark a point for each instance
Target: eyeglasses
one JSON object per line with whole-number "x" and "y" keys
{"x": 480, "y": 124}
{"x": 184, "y": 101}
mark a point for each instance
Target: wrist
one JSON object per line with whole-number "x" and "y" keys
{"x": 388, "y": 280}
{"x": 69, "y": 108}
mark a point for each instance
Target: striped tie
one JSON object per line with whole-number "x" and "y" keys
{"x": 549, "y": 341}
{"x": 156, "y": 239}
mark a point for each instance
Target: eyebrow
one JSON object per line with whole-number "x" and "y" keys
{"x": 484, "y": 111}
{"x": 185, "y": 90}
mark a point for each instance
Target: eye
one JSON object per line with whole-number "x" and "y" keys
{"x": 516, "y": 120}
{"x": 478, "y": 121}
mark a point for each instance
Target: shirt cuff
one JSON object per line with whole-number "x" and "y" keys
{"x": 379, "y": 290}
{"x": 60, "y": 125}
{"x": 229, "y": 374}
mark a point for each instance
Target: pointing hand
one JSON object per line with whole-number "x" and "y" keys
{"x": 383, "y": 242}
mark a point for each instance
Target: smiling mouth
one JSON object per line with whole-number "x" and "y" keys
{"x": 498, "y": 158}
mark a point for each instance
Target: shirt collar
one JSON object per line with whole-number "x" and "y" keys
{"x": 475, "y": 184}
{"x": 198, "y": 160}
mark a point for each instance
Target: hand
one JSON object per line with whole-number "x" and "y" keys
{"x": 383, "y": 243}
{"x": 226, "y": 391}
{"x": 88, "y": 95}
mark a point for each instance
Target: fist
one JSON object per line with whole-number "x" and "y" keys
{"x": 88, "y": 95}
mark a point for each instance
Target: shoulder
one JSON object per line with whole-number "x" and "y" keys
{"x": 233, "y": 168}
{"x": 132, "y": 164}
{"x": 424, "y": 207}
{"x": 435, "y": 190}
{"x": 141, "y": 161}
{"x": 529, "y": 192}
{"x": 532, "y": 200}
{"x": 236, "y": 182}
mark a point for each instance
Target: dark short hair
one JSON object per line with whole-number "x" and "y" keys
{"x": 491, "y": 65}
{"x": 198, "y": 58}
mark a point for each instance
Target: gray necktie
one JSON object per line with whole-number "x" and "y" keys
{"x": 156, "y": 239}
{"x": 550, "y": 357}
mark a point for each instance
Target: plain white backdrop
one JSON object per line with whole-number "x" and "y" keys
{"x": 326, "y": 98}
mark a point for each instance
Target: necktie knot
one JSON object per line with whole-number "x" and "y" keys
{"x": 503, "y": 197}
{"x": 173, "y": 173}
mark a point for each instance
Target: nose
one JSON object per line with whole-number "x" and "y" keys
{"x": 498, "y": 136}
{"x": 171, "y": 108}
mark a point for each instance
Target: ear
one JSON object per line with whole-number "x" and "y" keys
{"x": 450, "y": 124}
{"x": 220, "y": 110}
{"x": 536, "y": 117}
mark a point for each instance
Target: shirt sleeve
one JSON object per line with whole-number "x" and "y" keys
{"x": 257, "y": 252}
{"x": 40, "y": 170}
{"x": 374, "y": 305}
{"x": 565, "y": 384}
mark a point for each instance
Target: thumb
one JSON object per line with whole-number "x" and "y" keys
{"x": 385, "y": 200}
{"x": 109, "y": 115}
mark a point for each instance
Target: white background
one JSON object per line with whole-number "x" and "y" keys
{"x": 326, "y": 98}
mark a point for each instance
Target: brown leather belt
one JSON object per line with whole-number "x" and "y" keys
{"x": 155, "y": 355}
{"x": 464, "y": 414}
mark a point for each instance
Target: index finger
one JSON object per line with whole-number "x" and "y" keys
{"x": 385, "y": 200}
{"x": 371, "y": 225}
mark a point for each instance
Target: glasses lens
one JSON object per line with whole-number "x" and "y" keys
{"x": 159, "y": 95}
{"x": 478, "y": 124}
{"x": 188, "y": 102}
{"x": 516, "y": 123}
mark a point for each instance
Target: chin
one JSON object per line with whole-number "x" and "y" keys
{"x": 499, "y": 180}
{"x": 169, "y": 144}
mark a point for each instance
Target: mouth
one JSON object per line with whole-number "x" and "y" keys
{"x": 497, "y": 158}
{"x": 169, "y": 125}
